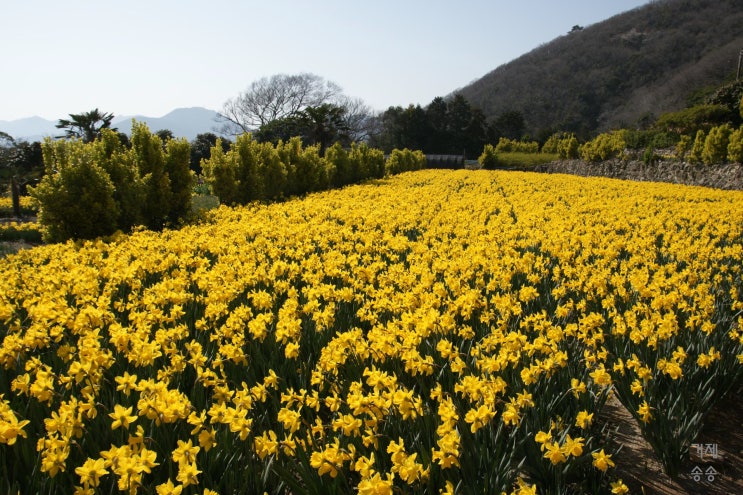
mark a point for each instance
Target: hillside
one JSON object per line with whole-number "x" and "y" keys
{"x": 619, "y": 72}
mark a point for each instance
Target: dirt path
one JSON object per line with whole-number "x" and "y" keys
{"x": 637, "y": 465}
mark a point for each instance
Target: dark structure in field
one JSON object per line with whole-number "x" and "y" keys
{"x": 445, "y": 161}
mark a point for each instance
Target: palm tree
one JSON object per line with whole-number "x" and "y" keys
{"x": 325, "y": 125}
{"x": 86, "y": 126}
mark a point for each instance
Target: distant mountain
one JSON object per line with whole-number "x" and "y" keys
{"x": 183, "y": 122}
{"x": 29, "y": 129}
{"x": 630, "y": 68}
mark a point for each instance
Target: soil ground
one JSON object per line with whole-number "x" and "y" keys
{"x": 641, "y": 471}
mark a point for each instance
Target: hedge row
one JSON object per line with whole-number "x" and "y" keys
{"x": 94, "y": 189}
{"x": 563, "y": 144}
{"x": 255, "y": 171}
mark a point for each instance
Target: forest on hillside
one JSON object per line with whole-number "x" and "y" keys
{"x": 622, "y": 72}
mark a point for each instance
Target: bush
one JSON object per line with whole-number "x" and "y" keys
{"x": 147, "y": 150}
{"x": 506, "y": 145}
{"x": 404, "y": 160}
{"x": 604, "y": 146}
{"x": 698, "y": 147}
{"x": 694, "y": 118}
{"x": 489, "y": 158}
{"x": 117, "y": 161}
{"x": 304, "y": 167}
{"x": 525, "y": 161}
{"x": 93, "y": 189}
{"x": 735, "y": 146}
{"x": 339, "y": 166}
{"x": 568, "y": 148}
{"x": 638, "y": 140}
{"x": 550, "y": 146}
{"x": 649, "y": 157}
{"x": 76, "y": 195}
{"x": 178, "y": 168}
{"x": 233, "y": 175}
{"x": 272, "y": 172}
{"x": 369, "y": 161}
{"x": 716, "y": 145}
{"x": 683, "y": 147}
{"x": 220, "y": 173}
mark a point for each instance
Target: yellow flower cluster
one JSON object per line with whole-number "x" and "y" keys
{"x": 383, "y": 337}
{"x": 6, "y": 203}
{"x": 11, "y": 231}
{"x": 14, "y": 225}
{"x": 10, "y": 427}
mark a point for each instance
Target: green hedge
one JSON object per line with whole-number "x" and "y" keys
{"x": 255, "y": 171}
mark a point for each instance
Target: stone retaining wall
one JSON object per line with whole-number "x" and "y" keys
{"x": 727, "y": 176}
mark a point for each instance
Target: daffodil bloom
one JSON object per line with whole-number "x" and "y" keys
{"x": 525, "y": 489}
{"x": 126, "y": 382}
{"x": 290, "y": 419}
{"x": 168, "y": 488}
{"x": 542, "y": 437}
{"x": 477, "y": 418}
{"x": 188, "y": 474}
{"x": 272, "y": 380}
{"x": 409, "y": 470}
{"x": 619, "y": 488}
{"x": 600, "y": 376}
{"x": 129, "y": 471}
{"x": 584, "y": 419}
{"x": 602, "y": 461}
{"x": 449, "y": 444}
{"x": 644, "y": 412}
{"x": 376, "y": 485}
{"x": 554, "y": 453}
{"x": 329, "y": 460}
{"x": 636, "y": 387}
{"x": 197, "y": 421}
{"x": 54, "y": 455}
{"x": 266, "y": 444}
{"x": 448, "y": 489}
{"x": 573, "y": 446}
{"x": 365, "y": 466}
{"x": 670, "y": 368}
{"x": 510, "y": 415}
{"x": 577, "y": 386}
{"x": 185, "y": 453}
{"x": 207, "y": 439}
{"x": 10, "y": 427}
{"x": 91, "y": 472}
{"x": 349, "y": 424}
{"x": 704, "y": 360}
{"x": 122, "y": 417}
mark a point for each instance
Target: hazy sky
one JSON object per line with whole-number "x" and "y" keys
{"x": 149, "y": 57}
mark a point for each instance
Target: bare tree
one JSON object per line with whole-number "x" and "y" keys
{"x": 357, "y": 117}
{"x": 276, "y": 97}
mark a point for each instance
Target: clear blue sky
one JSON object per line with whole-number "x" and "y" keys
{"x": 149, "y": 57}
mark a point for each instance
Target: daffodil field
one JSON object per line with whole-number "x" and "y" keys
{"x": 432, "y": 332}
